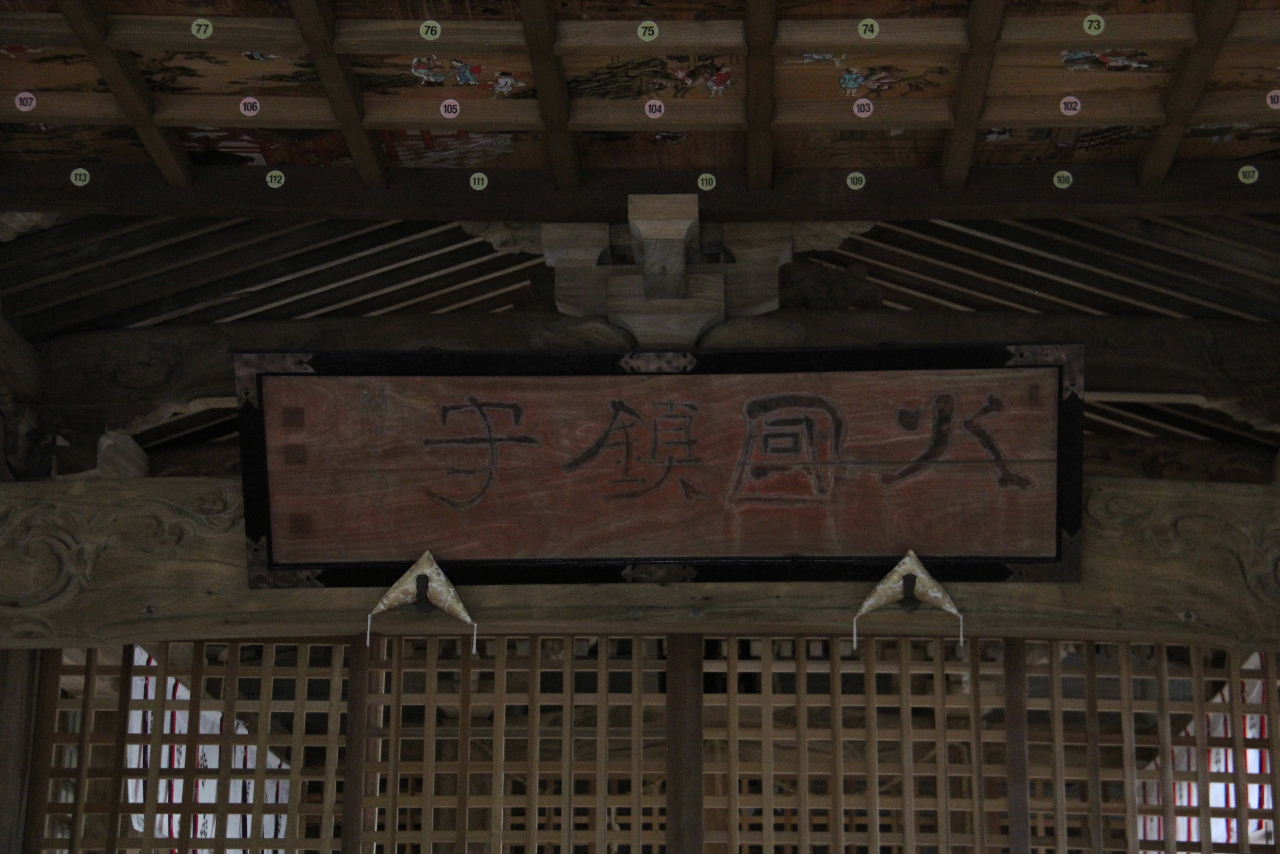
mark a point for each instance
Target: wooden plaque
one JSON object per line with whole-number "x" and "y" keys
{"x": 535, "y": 468}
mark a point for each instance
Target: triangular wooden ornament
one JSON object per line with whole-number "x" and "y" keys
{"x": 440, "y": 592}
{"x": 891, "y": 589}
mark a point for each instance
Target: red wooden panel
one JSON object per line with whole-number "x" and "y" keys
{"x": 953, "y": 462}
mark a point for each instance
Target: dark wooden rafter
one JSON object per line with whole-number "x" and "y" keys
{"x": 89, "y": 23}
{"x": 539, "y": 19}
{"x": 315, "y": 22}
{"x": 986, "y": 18}
{"x": 761, "y": 27}
{"x": 1215, "y": 20}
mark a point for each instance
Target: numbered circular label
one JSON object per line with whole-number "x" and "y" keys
{"x": 1070, "y": 106}
{"x": 862, "y": 108}
{"x": 647, "y": 31}
{"x": 1273, "y": 99}
{"x": 80, "y": 176}
{"x": 855, "y": 180}
{"x": 25, "y": 101}
{"x": 1062, "y": 179}
{"x": 868, "y": 28}
{"x": 1248, "y": 174}
{"x": 430, "y": 30}
{"x": 1094, "y": 24}
{"x": 202, "y": 28}
{"x": 450, "y": 108}
{"x": 479, "y": 180}
{"x": 250, "y": 106}
{"x": 654, "y": 108}
{"x": 706, "y": 181}
{"x": 275, "y": 179}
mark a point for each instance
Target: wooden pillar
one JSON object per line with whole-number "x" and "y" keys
{"x": 36, "y": 781}
{"x": 17, "y": 716}
{"x": 684, "y": 743}
{"x": 353, "y": 772}
{"x": 1015, "y": 724}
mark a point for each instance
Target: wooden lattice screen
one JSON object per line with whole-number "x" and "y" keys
{"x": 565, "y": 743}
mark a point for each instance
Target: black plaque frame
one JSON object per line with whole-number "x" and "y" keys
{"x": 264, "y": 571}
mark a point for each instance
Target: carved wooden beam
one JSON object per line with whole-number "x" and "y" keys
{"x": 102, "y": 562}
{"x": 132, "y": 379}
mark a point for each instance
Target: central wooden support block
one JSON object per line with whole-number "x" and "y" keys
{"x": 667, "y": 323}
{"x": 663, "y": 230}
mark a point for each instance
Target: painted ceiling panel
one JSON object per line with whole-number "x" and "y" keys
{"x": 832, "y": 77}
{"x": 432, "y": 76}
{"x": 251, "y": 72}
{"x": 73, "y": 143}
{"x": 1080, "y": 69}
{"x": 1062, "y": 145}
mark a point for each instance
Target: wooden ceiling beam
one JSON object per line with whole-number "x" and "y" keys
{"x": 604, "y": 114}
{"x": 761, "y": 28}
{"x": 538, "y": 17}
{"x": 1184, "y": 94}
{"x": 1100, "y": 189}
{"x": 619, "y": 38}
{"x": 346, "y": 100}
{"x": 900, "y": 35}
{"x": 986, "y": 18}
{"x": 402, "y": 37}
{"x": 129, "y": 88}
{"x": 391, "y": 112}
{"x": 1170, "y": 29}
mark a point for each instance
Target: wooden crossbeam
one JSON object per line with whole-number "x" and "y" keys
{"x": 346, "y": 101}
{"x": 1100, "y": 189}
{"x": 1183, "y": 95}
{"x": 539, "y": 21}
{"x": 986, "y": 17}
{"x": 761, "y": 27}
{"x": 601, "y": 114}
{"x": 87, "y": 20}
{"x": 618, "y": 38}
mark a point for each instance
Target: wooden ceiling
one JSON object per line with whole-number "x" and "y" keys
{"x": 965, "y": 99}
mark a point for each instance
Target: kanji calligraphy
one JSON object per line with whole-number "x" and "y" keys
{"x": 609, "y": 467}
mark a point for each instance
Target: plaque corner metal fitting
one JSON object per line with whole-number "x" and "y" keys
{"x": 658, "y": 363}
{"x": 249, "y": 366}
{"x": 1069, "y": 357}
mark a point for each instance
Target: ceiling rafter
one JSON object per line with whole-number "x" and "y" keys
{"x": 539, "y": 21}
{"x": 1184, "y": 94}
{"x": 761, "y": 26}
{"x": 129, "y": 89}
{"x": 346, "y": 100}
{"x": 986, "y": 18}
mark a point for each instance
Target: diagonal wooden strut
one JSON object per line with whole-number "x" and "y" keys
{"x": 315, "y": 22}
{"x": 986, "y": 17}
{"x": 539, "y": 21}
{"x": 89, "y": 23}
{"x": 761, "y": 30}
{"x": 1184, "y": 93}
